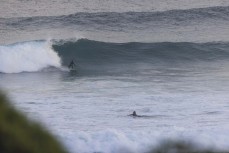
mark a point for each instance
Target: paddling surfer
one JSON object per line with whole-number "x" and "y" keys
{"x": 134, "y": 114}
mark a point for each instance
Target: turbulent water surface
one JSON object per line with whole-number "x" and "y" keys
{"x": 167, "y": 60}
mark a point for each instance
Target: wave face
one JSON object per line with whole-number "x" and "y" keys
{"x": 93, "y": 56}
{"x": 27, "y": 57}
{"x": 87, "y": 51}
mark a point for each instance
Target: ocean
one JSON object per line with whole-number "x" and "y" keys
{"x": 168, "y": 60}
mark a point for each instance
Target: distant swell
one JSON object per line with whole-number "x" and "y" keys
{"x": 27, "y": 57}
{"x": 121, "y": 20}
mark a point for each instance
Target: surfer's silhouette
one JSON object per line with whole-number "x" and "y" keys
{"x": 71, "y": 65}
{"x": 133, "y": 114}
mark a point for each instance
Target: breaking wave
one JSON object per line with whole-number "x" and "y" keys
{"x": 113, "y": 141}
{"x": 28, "y": 57}
{"x": 95, "y": 56}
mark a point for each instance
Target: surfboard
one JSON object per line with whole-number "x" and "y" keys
{"x": 72, "y": 70}
{"x": 72, "y": 67}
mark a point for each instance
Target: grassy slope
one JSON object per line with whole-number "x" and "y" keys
{"x": 19, "y": 135}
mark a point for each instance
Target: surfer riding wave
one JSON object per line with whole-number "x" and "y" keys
{"x": 71, "y": 65}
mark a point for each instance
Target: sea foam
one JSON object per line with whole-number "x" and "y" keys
{"x": 28, "y": 57}
{"x": 115, "y": 141}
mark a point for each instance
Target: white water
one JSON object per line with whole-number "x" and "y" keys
{"x": 27, "y": 57}
{"x": 89, "y": 114}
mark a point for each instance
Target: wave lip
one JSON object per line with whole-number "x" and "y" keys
{"x": 28, "y": 57}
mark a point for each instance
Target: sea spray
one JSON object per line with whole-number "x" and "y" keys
{"x": 116, "y": 141}
{"x": 28, "y": 57}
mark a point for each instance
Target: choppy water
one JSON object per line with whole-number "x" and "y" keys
{"x": 167, "y": 60}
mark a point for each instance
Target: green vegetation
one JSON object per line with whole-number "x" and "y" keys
{"x": 19, "y": 135}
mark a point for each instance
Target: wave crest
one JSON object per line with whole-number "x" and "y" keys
{"x": 28, "y": 57}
